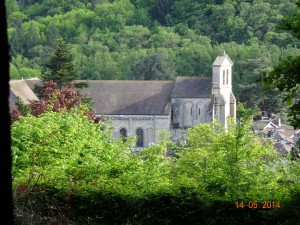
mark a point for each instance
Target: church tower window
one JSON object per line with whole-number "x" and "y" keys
{"x": 227, "y": 74}
{"x": 140, "y": 137}
{"x": 199, "y": 112}
{"x": 223, "y": 77}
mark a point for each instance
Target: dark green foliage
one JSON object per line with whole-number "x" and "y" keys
{"x": 295, "y": 152}
{"x": 32, "y": 37}
{"x": 17, "y": 41}
{"x": 61, "y": 67}
{"x": 109, "y": 38}
{"x": 292, "y": 22}
{"x": 23, "y": 108}
{"x": 52, "y": 34}
{"x": 286, "y": 78}
{"x": 73, "y": 170}
{"x": 161, "y": 9}
{"x": 153, "y": 67}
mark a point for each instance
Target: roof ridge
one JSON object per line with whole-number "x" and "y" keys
{"x": 124, "y": 80}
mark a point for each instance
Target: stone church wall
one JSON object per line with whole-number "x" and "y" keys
{"x": 188, "y": 112}
{"x": 152, "y": 125}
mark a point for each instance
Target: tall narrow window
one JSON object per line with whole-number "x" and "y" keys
{"x": 123, "y": 134}
{"x": 223, "y": 77}
{"x": 199, "y": 112}
{"x": 191, "y": 111}
{"x": 227, "y": 74}
{"x": 140, "y": 137}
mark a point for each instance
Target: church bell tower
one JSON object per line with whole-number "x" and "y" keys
{"x": 224, "y": 102}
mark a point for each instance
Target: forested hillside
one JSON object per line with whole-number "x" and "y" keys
{"x": 125, "y": 39}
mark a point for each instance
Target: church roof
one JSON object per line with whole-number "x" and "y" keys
{"x": 192, "y": 87}
{"x": 140, "y": 97}
{"x": 130, "y": 97}
{"x": 222, "y": 60}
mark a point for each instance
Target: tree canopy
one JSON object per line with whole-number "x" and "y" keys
{"x": 286, "y": 75}
{"x": 154, "y": 67}
{"x": 61, "y": 66}
{"x": 111, "y": 39}
{"x": 67, "y": 165}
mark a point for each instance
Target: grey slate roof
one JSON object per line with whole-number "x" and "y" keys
{"x": 192, "y": 87}
{"x": 139, "y": 97}
{"x": 130, "y": 97}
{"x": 262, "y": 124}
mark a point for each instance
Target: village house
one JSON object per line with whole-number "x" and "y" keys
{"x": 145, "y": 108}
{"x": 283, "y": 136}
{"x": 21, "y": 89}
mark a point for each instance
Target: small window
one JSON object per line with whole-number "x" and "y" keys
{"x": 199, "y": 112}
{"x": 223, "y": 77}
{"x": 191, "y": 111}
{"x": 123, "y": 134}
{"x": 140, "y": 137}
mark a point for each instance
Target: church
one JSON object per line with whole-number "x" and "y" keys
{"x": 144, "y": 108}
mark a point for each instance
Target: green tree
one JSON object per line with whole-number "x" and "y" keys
{"x": 153, "y": 67}
{"x": 61, "y": 67}
{"x": 59, "y": 147}
{"x": 32, "y": 37}
{"x": 11, "y": 6}
{"x": 113, "y": 16}
{"x": 286, "y": 75}
{"x": 161, "y": 9}
{"x": 17, "y": 40}
{"x": 52, "y": 33}
{"x": 194, "y": 60}
{"x": 230, "y": 164}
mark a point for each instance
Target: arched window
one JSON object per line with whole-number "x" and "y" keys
{"x": 140, "y": 137}
{"x": 223, "y": 77}
{"x": 123, "y": 133}
{"x": 227, "y": 74}
{"x": 199, "y": 112}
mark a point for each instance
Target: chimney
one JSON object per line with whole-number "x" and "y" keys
{"x": 279, "y": 121}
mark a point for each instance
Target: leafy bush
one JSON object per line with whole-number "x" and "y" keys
{"x": 65, "y": 166}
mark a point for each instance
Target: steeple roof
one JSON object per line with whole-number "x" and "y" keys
{"x": 222, "y": 60}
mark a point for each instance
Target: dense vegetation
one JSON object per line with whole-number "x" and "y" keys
{"x": 66, "y": 168}
{"x": 120, "y": 39}
{"x": 286, "y": 75}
